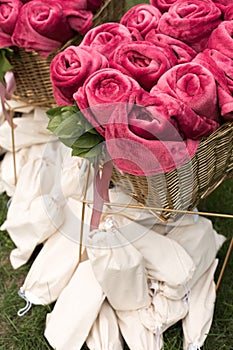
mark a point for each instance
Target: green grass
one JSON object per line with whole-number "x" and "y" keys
{"x": 26, "y": 333}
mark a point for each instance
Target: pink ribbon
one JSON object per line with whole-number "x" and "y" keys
{"x": 6, "y": 92}
{"x": 101, "y": 186}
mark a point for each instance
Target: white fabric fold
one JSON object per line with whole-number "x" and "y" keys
{"x": 197, "y": 323}
{"x": 135, "y": 334}
{"x": 52, "y": 269}
{"x": 105, "y": 334}
{"x": 75, "y": 311}
{"x": 116, "y": 262}
{"x": 31, "y": 130}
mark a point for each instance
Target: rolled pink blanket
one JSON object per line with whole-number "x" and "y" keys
{"x": 221, "y": 67}
{"x": 79, "y": 16}
{"x": 143, "y": 140}
{"x": 194, "y": 85}
{"x": 228, "y": 13}
{"x": 143, "y": 61}
{"x": 70, "y": 68}
{"x": 162, "y": 5}
{"x": 221, "y": 39}
{"x": 142, "y": 17}
{"x": 183, "y": 52}
{"x": 191, "y": 21}
{"x": 106, "y": 37}
{"x": 41, "y": 27}
{"x": 79, "y": 20}
{"x": 9, "y": 11}
{"x": 102, "y": 93}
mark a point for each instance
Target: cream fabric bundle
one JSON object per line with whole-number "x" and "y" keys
{"x": 163, "y": 312}
{"x": 75, "y": 311}
{"x": 51, "y": 270}
{"x": 197, "y": 323}
{"x": 36, "y": 210}
{"x": 31, "y": 130}
{"x": 105, "y": 334}
{"x": 116, "y": 262}
{"x": 202, "y": 243}
{"x": 134, "y": 333}
{"x": 7, "y": 175}
{"x": 165, "y": 259}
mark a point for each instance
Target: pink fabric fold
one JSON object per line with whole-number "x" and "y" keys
{"x": 222, "y": 4}
{"x": 191, "y": 21}
{"x": 9, "y": 11}
{"x": 221, "y": 67}
{"x": 162, "y": 5}
{"x": 228, "y": 13}
{"x": 194, "y": 85}
{"x": 142, "y": 141}
{"x": 221, "y": 39}
{"x": 143, "y": 61}
{"x": 183, "y": 52}
{"x": 142, "y": 17}
{"x": 41, "y": 27}
{"x": 71, "y": 4}
{"x": 79, "y": 20}
{"x": 93, "y": 5}
{"x": 102, "y": 93}
{"x": 106, "y": 37}
{"x": 70, "y": 68}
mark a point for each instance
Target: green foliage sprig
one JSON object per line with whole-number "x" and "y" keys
{"x": 5, "y": 65}
{"x": 72, "y": 129}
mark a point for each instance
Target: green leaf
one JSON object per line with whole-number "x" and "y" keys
{"x": 72, "y": 128}
{"x": 60, "y": 110}
{"x": 87, "y": 140}
{"x": 87, "y": 152}
{"x": 5, "y": 65}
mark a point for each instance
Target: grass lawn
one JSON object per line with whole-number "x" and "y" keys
{"x": 26, "y": 333}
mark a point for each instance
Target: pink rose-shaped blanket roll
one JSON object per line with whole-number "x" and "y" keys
{"x": 194, "y": 85}
{"x": 70, "y": 68}
{"x": 142, "y": 17}
{"x": 144, "y": 140}
{"x": 221, "y": 39}
{"x": 102, "y": 92}
{"x": 143, "y": 61}
{"x": 106, "y": 37}
{"x": 183, "y": 52}
{"x": 221, "y": 67}
{"x": 191, "y": 21}
{"x": 9, "y": 11}
{"x": 79, "y": 17}
{"x": 41, "y": 27}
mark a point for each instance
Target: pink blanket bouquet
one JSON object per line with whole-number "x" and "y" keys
{"x": 44, "y": 26}
{"x": 158, "y": 86}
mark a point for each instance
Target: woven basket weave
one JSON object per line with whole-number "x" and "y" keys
{"x": 183, "y": 188}
{"x": 32, "y": 73}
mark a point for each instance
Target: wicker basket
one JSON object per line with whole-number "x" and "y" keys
{"x": 32, "y": 73}
{"x": 183, "y": 188}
